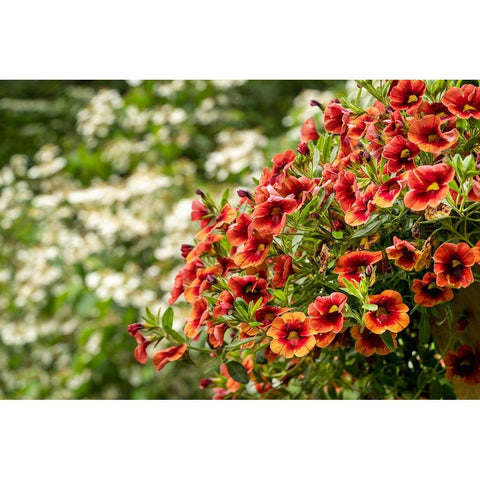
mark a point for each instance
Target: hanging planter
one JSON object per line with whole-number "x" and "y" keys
{"x": 351, "y": 269}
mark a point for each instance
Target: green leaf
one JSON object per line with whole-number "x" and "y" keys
{"x": 388, "y": 340}
{"x": 337, "y": 234}
{"x": 225, "y": 196}
{"x": 260, "y": 357}
{"x": 174, "y": 335}
{"x": 371, "y": 307}
{"x": 237, "y": 371}
{"x": 436, "y": 391}
{"x": 424, "y": 330}
{"x": 167, "y": 319}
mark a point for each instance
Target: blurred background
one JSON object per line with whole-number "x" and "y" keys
{"x": 96, "y": 183}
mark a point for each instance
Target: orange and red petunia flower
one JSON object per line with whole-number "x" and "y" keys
{"x": 346, "y": 189}
{"x": 140, "y": 352}
{"x": 250, "y": 288}
{"x": 309, "y": 131}
{"x": 203, "y": 246}
{"x": 407, "y": 95}
{"x": 200, "y": 212}
{"x": 326, "y": 313}
{"x": 237, "y": 233}
{"x": 464, "y": 364}
{"x": 352, "y": 265}
{"x": 464, "y": 102}
{"x": 368, "y": 343}
{"x": 161, "y": 358}
{"x": 292, "y": 335}
{"x": 453, "y": 265}
{"x": 254, "y": 251}
{"x": 390, "y": 315}
{"x": 270, "y": 216}
{"x": 226, "y": 216}
{"x": 432, "y": 135}
{"x": 198, "y": 315}
{"x": 297, "y": 188}
{"x": 362, "y": 208}
{"x": 324, "y": 339}
{"x": 428, "y": 186}
{"x": 336, "y": 117}
{"x": 282, "y": 270}
{"x": 404, "y": 254}
{"x": 400, "y": 153}
{"x": 428, "y": 293}
{"x": 389, "y": 191}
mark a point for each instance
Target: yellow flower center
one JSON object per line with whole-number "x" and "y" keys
{"x": 433, "y": 186}
{"x": 468, "y": 107}
{"x": 292, "y": 335}
{"x": 405, "y": 153}
{"x": 456, "y": 263}
{"x": 333, "y": 308}
{"x": 261, "y": 247}
{"x": 432, "y": 137}
{"x": 412, "y": 98}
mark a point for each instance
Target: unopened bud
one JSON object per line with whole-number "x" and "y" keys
{"x": 133, "y": 328}
{"x": 303, "y": 148}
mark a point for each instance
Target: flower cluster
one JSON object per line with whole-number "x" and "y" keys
{"x": 332, "y": 270}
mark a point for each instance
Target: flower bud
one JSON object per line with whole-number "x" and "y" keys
{"x": 133, "y": 328}
{"x": 303, "y": 148}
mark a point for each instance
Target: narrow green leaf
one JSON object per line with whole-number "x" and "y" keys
{"x": 424, "y": 330}
{"x": 388, "y": 340}
{"x": 174, "y": 335}
{"x": 167, "y": 319}
{"x": 237, "y": 371}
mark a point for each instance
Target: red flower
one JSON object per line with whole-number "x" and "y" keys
{"x": 464, "y": 364}
{"x": 428, "y": 186}
{"x": 254, "y": 251}
{"x": 161, "y": 358}
{"x": 407, "y": 95}
{"x": 453, "y": 265}
{"x": 264, "y": 315}
{"x": 428, "y": 293}
{"x": 400, "y": 154}
{"x": 291, "y": 335}
{"x": 368, "y": 343}
{"x": 283, "y": 269}
{"x": 199, "y": 212}
{"x": 432, "y": 135}
{"x": 203, "y": 246}
{"x": 326, "y": 313}
{"x": 390, "y": 315}
{"x": 335, "y": 117}
{"x": 282, "y": 161}
{"x": 270, "y": 216}
{"x": 389, "y": 191}
{"x": 296, "y": 188}
{"x": 351, "y": 265}
{"x": 346, "y": 189}
{"x": 238, "y": 232}
{"x": 403, "y": 253}
{"x": 226, "y": 216}
{"x": 464, "y": 102}
{"x": 198, "y": 315}
{"x": 309, "y": 131}
{"x": 324, "y": 339}
{"x": 250, "y": 288}
{"x": 216, "y": 333}
{"x": 362, "y": 208}
{"x": 140, "y": 352}
{"x": 224, "y": 305}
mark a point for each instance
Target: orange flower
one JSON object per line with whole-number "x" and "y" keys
{"x": 389, "y": 191}
{"x": 351, "y": 265}
{"x": 198, "y": 315}
{"x": 346, "y": 189}
{"x": 161, "y": 358}
{"x": 400, "y": 153}
{"x": 403, "y": 253}
{"x": 270, "y": 216}
{"x": 140, "y": 352}
{"x": 407, "y": 95}
{"x": 200, "y": 212}
{"x": 226, "y": 216}
{"x": 428, "y": 186}
{"x": 428, "y": 293}
{"x": 391, "y": 313}
{"x": 298, "y": 188}
{"x": 453, "y": 265}
{"x": 237, "y": 233}
{"x": 464, "y": 363}
{"x": 309, "y": 131}
{"x": 335, "y": 117}
{"x": 254, "y": 251}
{"x": 326, "y": 313}
{"x": 362, "y": 208}
{"x": 432, "y": 135}
{"x": 291, "y": 335}
{"x": 368, "y": 343}
{"x": 250, "y": 288}
{"x": 283, "y": 269}
{"x": 464, "y": 102}
{"x": 324, "y": 339}
{"x": 203, "y": 246}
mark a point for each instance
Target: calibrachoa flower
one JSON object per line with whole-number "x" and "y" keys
{"x": 326, "y": 313}
{"x": 368, "y": 343}
{"x": 250, "y": 288}
{"x": 464, "y": 102}
{"x": 352, "y": 265}
{"x": 292, "y": 335}
{"x": 390, "y": 315}
{"x": 162, "y": 357}
{"x": 428, "y": 186}
{"x": 428, "y": 293}
{"x": 389, "y": 191}
{"x": 400, "y": 153}
{"x": 407, "y": 94}
{"x": 270, "y": 216}
{"x": 464, "y": 364}
{"x": 431, "y": 135}
{"x": 453, "y": 265}
{"x": 404, "y": 254}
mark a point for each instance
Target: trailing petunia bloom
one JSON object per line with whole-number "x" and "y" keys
{"x": 400, "y": 153}
{"x": 264, "y": 315}
{"x": 324, "y": 339}
{"x": 198, "y": 315}
{"x": 453, "y": 265}
{"x": 292, "y": 335}
{"x": 362, "y": 208}
{"x": 326, "y": 313}
{"x": 404, "y": 254}
{"x": 351, "y": 265}
{"x": 407, "y": 95}
{"x": 282, "y": 269}
{"x": 238, "y": 232}
{"x": 309, "y": 131}
{"x": 298, "y": 188}
{"x": 464, "y": 364}
{"x": 390, "y": 315}
{"x": 254, "y": 251}
{"x": 203, "y": 246}
{"x": 346, "y": 189}
{"x": 200, "y": 212}
{"x": 270, "y": 216}
{"x": 226, "y": 216}
{"x": 161, "y": 358}
{"x": 389, "y": 191}
{"x": 250, "y": 288}
{"x": 140, "y": 352}
{"x": 336, "y": 117}
{"x": 428, "y": 293}
{"x": 428, "y": 186}
{"x": 368, "y": 343}
{"x": 464, "y": 102}
{"x": 432, "y": 135}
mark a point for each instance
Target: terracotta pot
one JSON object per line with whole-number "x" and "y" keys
{"x": 465, "y": 305}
